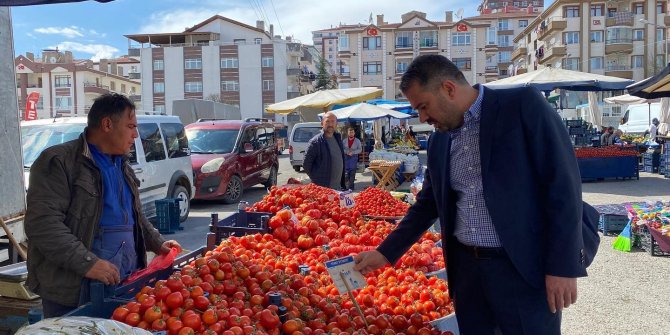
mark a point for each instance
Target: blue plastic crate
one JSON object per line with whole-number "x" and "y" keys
{"x": 239, "y": 224}
{"x": 612, "y": 223}
{"x": 167, "y": 216}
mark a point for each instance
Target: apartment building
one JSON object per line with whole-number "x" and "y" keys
{"x": 378, "y": 54}
{"x": 325, "y": 41}
{"x": 626, "y": 38}
{"x": 220, "y": 59}
{"x": 125, "y": 66}
{"x": 67, "y": 87}
{"x": 493, "y": 6}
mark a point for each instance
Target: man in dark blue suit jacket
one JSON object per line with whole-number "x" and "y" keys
{"x": 503, "y": 179}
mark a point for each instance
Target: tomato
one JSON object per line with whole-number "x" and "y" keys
{"x": 133, "y": 319}
{"x": 290, "y": 326}
{"x": 186, "y": 331}
{"x": 120, "y": 314}
{"x": 209, "y": 317}
{"x": 201, "y": 303}
{"x": 152, "y": 314}
{"x": 269, "y": 320}
{"x": 192, "y": 320}
{"x": 159, "y": 325}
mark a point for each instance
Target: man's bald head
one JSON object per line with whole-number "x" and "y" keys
{"x": 328, "y": 123}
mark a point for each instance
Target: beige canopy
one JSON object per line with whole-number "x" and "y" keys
{"x": 326, "y": 98}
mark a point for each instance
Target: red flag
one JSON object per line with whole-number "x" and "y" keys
{"x": 461, "y": 27}
{"x": 31, "y": 106}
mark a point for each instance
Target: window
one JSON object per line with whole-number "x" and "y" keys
{"x": 571, "y": 37}
{"x": 597, "y": 10}
{"x": 524, "y": 4}
{"x": 152, "y": 142}
{"x": 403, "y": 39}
{"x": 516, "y": 4}
{"x": 660, "y": 61}
{"x": 372, "y": 43}
{"x": 503, "y": 40}
{"x": 63, "y": 81}
{"x": 193, "y": 86}
{"x": 571, "y": 63}
{"x": 571, "y": 11}
{"x": 330, "y": 49}
{"x": 261, "y": 141}
{"x": 159, "y": 87}
{"x": 175, "y": 140}
{"x": 461, "y": 39}
{"x": 258, "y": 40}
{"x": 619, "y": 35}
{"x": 112, "y": 85}
{"x": 660, "y": 34}
{"x": 372, "y": 67}
{"x": 229, "y": 63}
{"x": 268, "y": 85}
{"x": 267, "y": 61}
{"x": 193, "y": 63}
{"x": 428, "y": 39}
{"x": 344, "y": 42}
{"x": 637, "y": 61}
{"x": 304, "y": 134}
{"x": 230, "y": 86}
{"x": 401, "y": 66}
{"x": 159, "y": 65}
{"x": 491, "y": 36}
{"x": 660, "y": 7}
{"x": 523, "y": 23}
{"x": 63, "y": 103}
{"x": 330, "y": 41}
{"x": 638, "y": 8}
{"x": 638, "y": 34}
{"x": 463, "y": 64}
{"x": 503, "y": 24}
{"x": 596, "y": 63}
{"x": 504, "y": 56}
{"x": 611, "y": 12}
{"x": 160, "y": 109}
{"x": 596, "y": 36}
{"x": 123, "y": 88}
{"x": 239, "y": 41}
{"x": 270, "y": 136}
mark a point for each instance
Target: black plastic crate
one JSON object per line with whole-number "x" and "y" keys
{"x": 651, "y": 169}
{"x": 577, "y": 131}
{"x": 239, "y": 224}
{"x": 167, "y": 216}
{"x": 574, "y": 123}
{"x": 612, "y": 223}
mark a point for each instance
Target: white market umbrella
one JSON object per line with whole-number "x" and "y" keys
{"x": 326, "y": 99}
{"x": 627, "y": 99}
{"x": 549, "y": 78}
{"x": 366, "y": 112}
{"x": 595, "y": 114}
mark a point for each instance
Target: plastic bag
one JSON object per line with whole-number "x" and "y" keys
{"x": 159, "y": 262}
{"x": 80, "y": 325}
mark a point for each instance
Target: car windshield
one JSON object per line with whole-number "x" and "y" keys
{"x": 211, "y": 141}
{"x": 35, "y": 139}
{"x": 305, "y": 134}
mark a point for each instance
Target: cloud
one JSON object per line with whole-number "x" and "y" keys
{"x": 69, "y": 32}
{"x": 97, "y": 50}
{"x": 31, "y": 35}
{"x": 299, "y": 18}
{"x": 94, "y": 33}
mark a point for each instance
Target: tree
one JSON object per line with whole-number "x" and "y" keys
{"x": 324, "y": 80}
{"x": 214, "y": 97}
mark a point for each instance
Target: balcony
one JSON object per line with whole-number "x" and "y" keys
{"x": 404, "y": 46}
{"x": 135, "y": 98}
{"x": 95, "y": 88}
{"x": 134, "y": 75}
{"x": 621, "y": 71}
{"x": 519, "y": 53}
{"x": 293, "y": 71}
{"x": 553, "y": 53}
{"x": 294, "y": 49}
{"x": 666, "y": 20}
{"x": 133, "y": 52}
{"x": 553, "y": 25}
{"x": 621, "y": 19}
{"x": 429, "y": 44}
{"x": 618, "y": 45}
{"x": 490, "y": 48}
{"x": 491, "y": 71}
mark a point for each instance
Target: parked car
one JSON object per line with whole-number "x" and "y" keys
{"x": 229, "y": 156}
{"x": 637, "y": 118}
{"x": 300, "y": 135}
{"x": 160, "y": 156}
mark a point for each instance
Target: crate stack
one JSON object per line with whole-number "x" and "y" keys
{"x": 651, "y": 162}
{"x": 579, "y": 133}
{"x": 665, "y": 164}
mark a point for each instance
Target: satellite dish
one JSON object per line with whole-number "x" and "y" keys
{"x": 552, "y": 41}
{"x": 459, "y": 13}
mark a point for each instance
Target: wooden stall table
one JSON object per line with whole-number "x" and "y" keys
{"x": 384, "y": 172}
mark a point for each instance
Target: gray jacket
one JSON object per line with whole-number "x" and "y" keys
{"x": 64, "y": 207}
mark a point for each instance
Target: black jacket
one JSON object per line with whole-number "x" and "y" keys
{"x": 317, "y": 161}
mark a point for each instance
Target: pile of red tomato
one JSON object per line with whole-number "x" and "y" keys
{"x": 602, "y": 152}
{"x": 227, "y": 291}
{"x": 377, "y": 202}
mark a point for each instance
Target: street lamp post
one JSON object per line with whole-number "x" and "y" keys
{"x": 665, "y": 38}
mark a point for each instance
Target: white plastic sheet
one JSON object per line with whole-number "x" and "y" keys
{"x": 80, "y": 325}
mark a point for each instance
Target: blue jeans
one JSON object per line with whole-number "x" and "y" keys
{"x": 349, "y": 178}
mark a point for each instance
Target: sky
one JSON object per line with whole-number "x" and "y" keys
{"x": 93, "y": 30}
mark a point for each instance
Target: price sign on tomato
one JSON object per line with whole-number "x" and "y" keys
{"x": 342, "y": 270}
{"x": 347, "y": 199}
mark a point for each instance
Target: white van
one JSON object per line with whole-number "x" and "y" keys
{"x": 300, "y": 135}
{"x": 160, "y": 157}
{"x": 637, "y": 118}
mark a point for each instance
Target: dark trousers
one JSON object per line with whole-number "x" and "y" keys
{"x": 52, "y": 309}
{"x": 491, "y": 297}
{"x": 349, "y": 178}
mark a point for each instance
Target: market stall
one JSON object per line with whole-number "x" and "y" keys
{"x": 598, "y": 163}
{"x": 650, "y": 227}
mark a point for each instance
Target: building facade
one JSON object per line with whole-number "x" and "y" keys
{"x": 67, "y": 87}
{"x": 125, "y": 66}
{"x": 626, "y": 39}
{"x": 325, "y": 41}
{"x": 218, "y": 59}
{"x": 496, "y": 6}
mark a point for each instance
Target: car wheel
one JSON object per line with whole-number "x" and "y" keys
{"x": 296, "y": 168}
{"x": 181, "y": 193}
{"x": 272, "y": 179}
{"x": 233, "y": 191}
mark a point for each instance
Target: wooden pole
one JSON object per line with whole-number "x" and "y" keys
{"x": 351, "y": 296}
{"x": 10, "y": 236}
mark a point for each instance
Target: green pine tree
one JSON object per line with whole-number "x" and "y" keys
{"x": 324, "y": 80}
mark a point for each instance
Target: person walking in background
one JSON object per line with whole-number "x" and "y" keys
{"x": 324, "y": 156}
{"x": 352, "y": 148}
{"x": 653, "y": 129}
{"x": 607, "y": 132}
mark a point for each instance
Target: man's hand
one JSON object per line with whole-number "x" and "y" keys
{"x": 561, "y": 292}
{"x": 168, "y": 245}
{"x": 369, "y": 261}
{"x": 105, "y": 272}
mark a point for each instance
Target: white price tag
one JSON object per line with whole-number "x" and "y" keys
{"x": 294, "y": 218}
{"x": 342, "y": 269}
{"x": 347, "y": 199}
